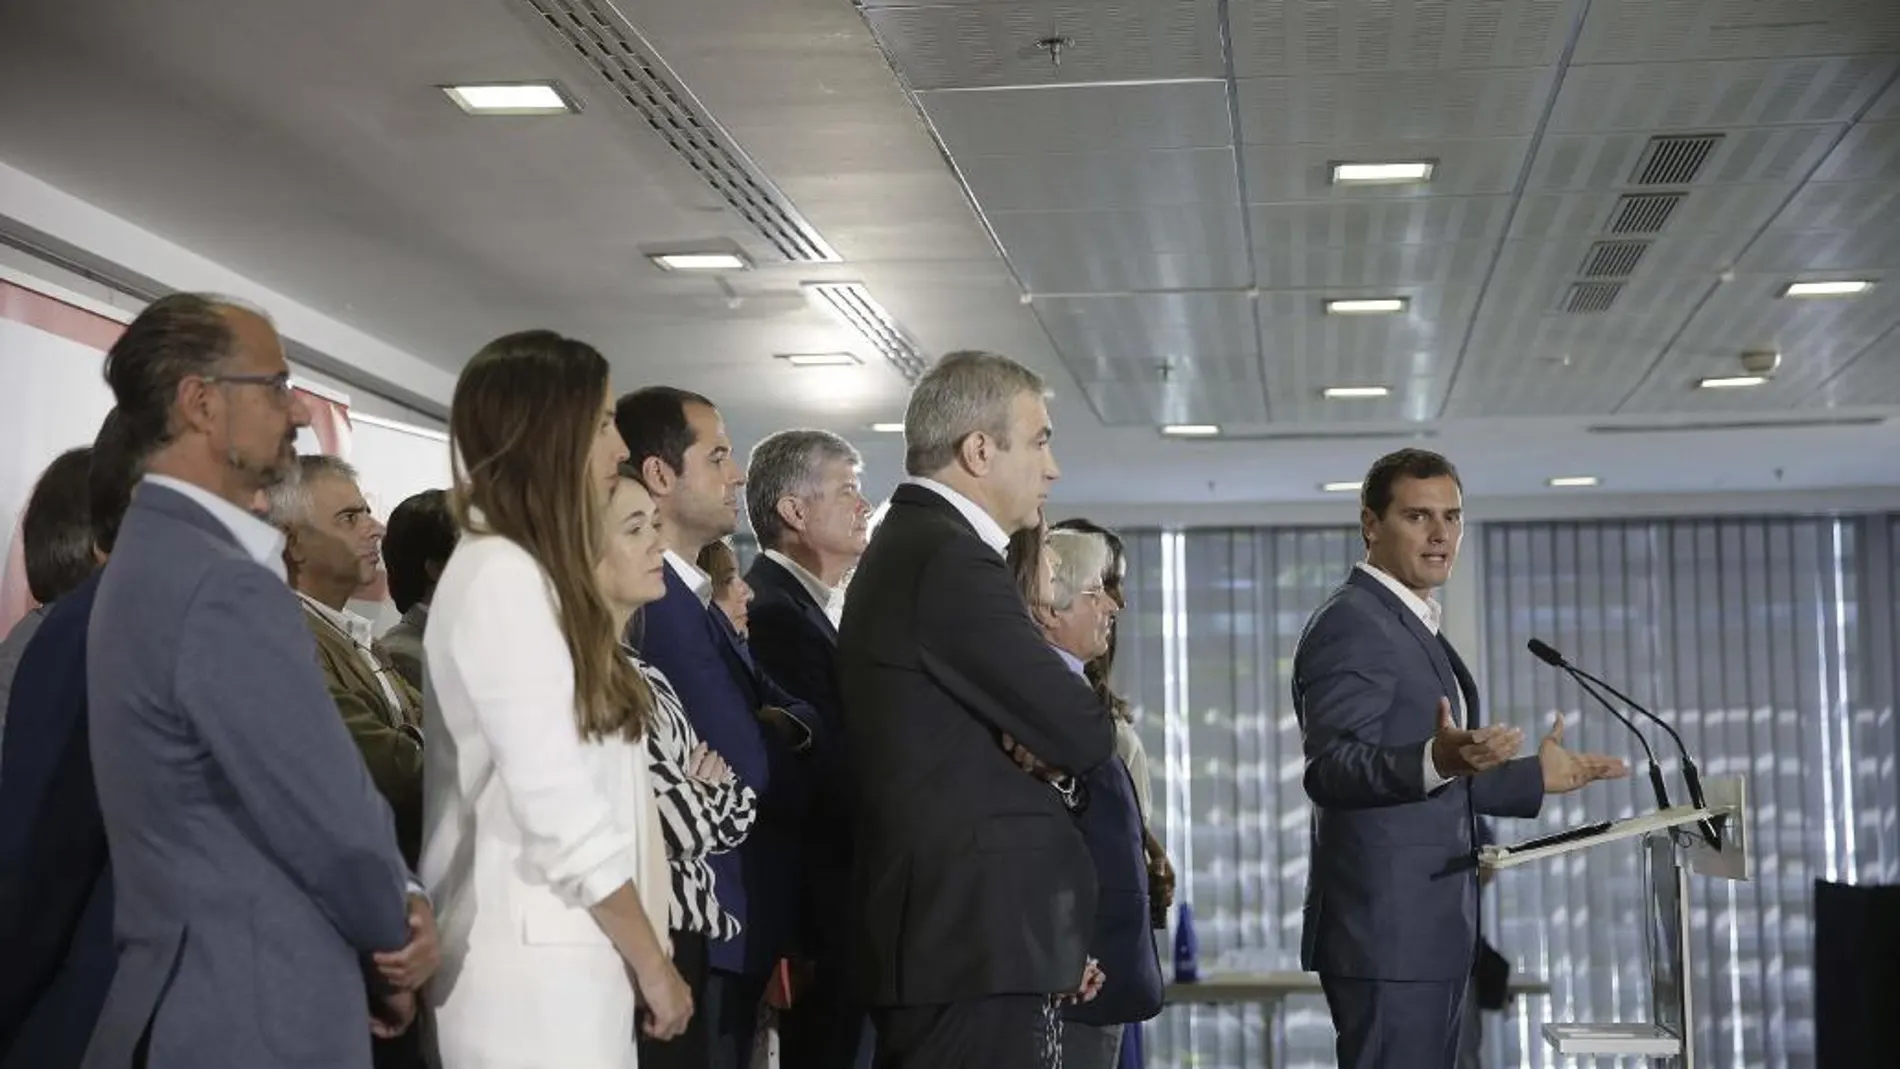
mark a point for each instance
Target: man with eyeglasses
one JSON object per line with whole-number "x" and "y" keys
{"x": 256, "y": 870}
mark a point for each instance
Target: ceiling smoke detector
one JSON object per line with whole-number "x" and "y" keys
{"x": 1762, "y": 362}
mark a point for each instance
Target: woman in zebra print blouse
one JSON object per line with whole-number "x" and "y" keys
{"x": 704, "y": 809}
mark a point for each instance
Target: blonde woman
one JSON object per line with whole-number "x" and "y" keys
{"x": 540, "y": 831}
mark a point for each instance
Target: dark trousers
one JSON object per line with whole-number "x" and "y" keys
{"x": 997, "y": 1032}
{"x": 827, "y": 1027}
{"x": 688, "y": 1050}
{"x": 732, "y": 1018}
{"x": 1388, "y": 1024}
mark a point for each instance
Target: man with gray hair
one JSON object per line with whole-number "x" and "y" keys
{"x": 246, "y": 838}
{"x": 809, "y": 513}
{"x": 975, "y": 894}
{"x": 332, "y": 549}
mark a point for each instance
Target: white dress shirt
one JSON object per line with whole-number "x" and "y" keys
{"x": 264, "y": 543}
{"x": 829, "y": 598}
{"x": 526, "y": 826}
{"x": 987, "y": 528}
{"x": 697, "y": 581}
{"x": 1431, "y": 614}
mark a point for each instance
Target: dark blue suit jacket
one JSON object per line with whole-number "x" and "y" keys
{"x": 55, "y": 881}
{"x": 722, "y": 691}
{"x": 1392, "y": 892}
{"x": 1123, "y": 941}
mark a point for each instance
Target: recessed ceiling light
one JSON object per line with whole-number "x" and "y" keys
{"x": 820, "y": 359}
{"x": 1345, "y": 393}
{"x": 1842, "y": 288}
{"x": 516, "y": 98}
{"x": 1731, "y": 382}
{"x": 1191, "y": 430}
{"x": 1574, "y": 480}
{"x": 888, "y": 428}
{"x": 1393, "y": 173}
{"x": 699, "y": 261}
{"x": 1367, "y": 306}
{"x": 1341, "y": 488}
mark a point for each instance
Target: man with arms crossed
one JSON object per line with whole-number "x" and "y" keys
{"x": 974, "y": 892}
{"x": 255, "y": 867}
{"x": 1391, "y": 920}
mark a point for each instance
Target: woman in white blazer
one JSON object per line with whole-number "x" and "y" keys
{"x": 541, "y": 844}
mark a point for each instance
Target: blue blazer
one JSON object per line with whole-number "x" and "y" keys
{"x": 1124, "y": 941}
{"x": 1392, "y": 888}
{"x": 55, "y": 878}
{"x": 722, "y": 690}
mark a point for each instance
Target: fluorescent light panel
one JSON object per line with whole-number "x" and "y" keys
{"x": 820, "y": 359}
{"x": 510, "y": 98}
{"x": 1191, "y": 430}
{"x": 888, "y": 428}
{"x": 1396, "y": 172}
{"x": 1841, "y": 288}
{"x": 1347, "y": 393}
{"x": 1341, "y": 488}
{"x": 1573, "y": 480}
{"x": 1367, "y": 306}
{"x": 699, "y": 261}
{"x": 1731, "y": 382}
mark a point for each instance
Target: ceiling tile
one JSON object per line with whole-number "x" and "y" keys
{"x": 1078, "y": 181}
{"x": 1845, "y": 206}
{"x": 1738, "y": 211}
{"x": 1391, "y": 105}
{"x": 1873, "y": 379}
{"x": 1198, "y": 401}
{"x": 1277, "y": 173}
{"x": 1869, "y": 152}
{"x": 1816, "y": 339}
{"x": 1130, "y": 338}
{"x": 1604, "y": 161}
{"x": 1304, "y": 351}
{"x": 1717, "y": 95}
{"x": 1099, "y": 119}
{"x": 1430, "y": 220}
{"x": 1296, "y": 37}
{"x": 935, "y": 46}
{"x": 1182, "y": 246}
{"x": 1630, "y": 31}
{"x": 1373, "y": 268}
{"x": 1795, "y": 251}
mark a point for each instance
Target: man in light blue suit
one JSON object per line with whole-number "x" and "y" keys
{"x": 1391, "y": 918}
{"x": 257, "y": 878}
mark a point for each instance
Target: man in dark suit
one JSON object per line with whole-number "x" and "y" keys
{"x": 55, "y": 877}
{"x": 677, "y": 443}
{"x": 811, "y": 519}
{"x": 1391, "y": 917}
{"x": 974, "y": 892}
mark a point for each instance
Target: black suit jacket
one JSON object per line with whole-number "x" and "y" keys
{"x": 970, "y": 879}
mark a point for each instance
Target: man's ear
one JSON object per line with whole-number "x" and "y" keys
{"x": 974, "y": 452}
{"x": 1045, "y": 616}
{"x": 1368, "y": 526}
{"x": 791, "y": 512}
{"x": 659, "y": 478}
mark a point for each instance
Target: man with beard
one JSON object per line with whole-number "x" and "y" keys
{"x": 677, "y": 443}
{"x": 809, "y": 513}
{"x": 255, "y": 865}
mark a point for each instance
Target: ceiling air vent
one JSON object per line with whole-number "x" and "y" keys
{"x": 1588, "y": 298}
{"x": 616, "y": 51}
{"x": 1613, "y": 259}
{"x": 1674, "y": 160}
{"x": 1643, "y": 213}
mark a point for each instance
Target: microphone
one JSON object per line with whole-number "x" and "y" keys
{"x": 1551, "y": 657}
{"x": 1690, "y": 774}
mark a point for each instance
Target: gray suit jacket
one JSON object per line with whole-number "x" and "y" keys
{"x": 1392, "y": 889}
{"x": 255, "y": 863}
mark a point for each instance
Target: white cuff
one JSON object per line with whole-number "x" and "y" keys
{"x": 1431, "y": 778}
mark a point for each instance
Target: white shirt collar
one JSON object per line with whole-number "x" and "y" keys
{"x": 360, "y": 631}
{"x": 259, "y": 540}
{"x": 699, "y": 582}
{"x": 829, "y": 598}
{"x": 987, "y": 528}
{"x": 1426, "y": 609}
{"x": 1075, "y": 663}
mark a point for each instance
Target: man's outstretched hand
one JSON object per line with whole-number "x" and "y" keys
{"x": 1457, "y": 752}
{"x": 1565, "y": 771}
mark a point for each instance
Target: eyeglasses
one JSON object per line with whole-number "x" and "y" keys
{"x": 278, "y": 384}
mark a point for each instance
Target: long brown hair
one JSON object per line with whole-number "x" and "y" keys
{"x": 521, "y": 427}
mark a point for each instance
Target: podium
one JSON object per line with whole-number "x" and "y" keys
{"x": 1673, "y": 846}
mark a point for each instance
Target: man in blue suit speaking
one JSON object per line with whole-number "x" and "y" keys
{"x": 1397, "y": 779}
